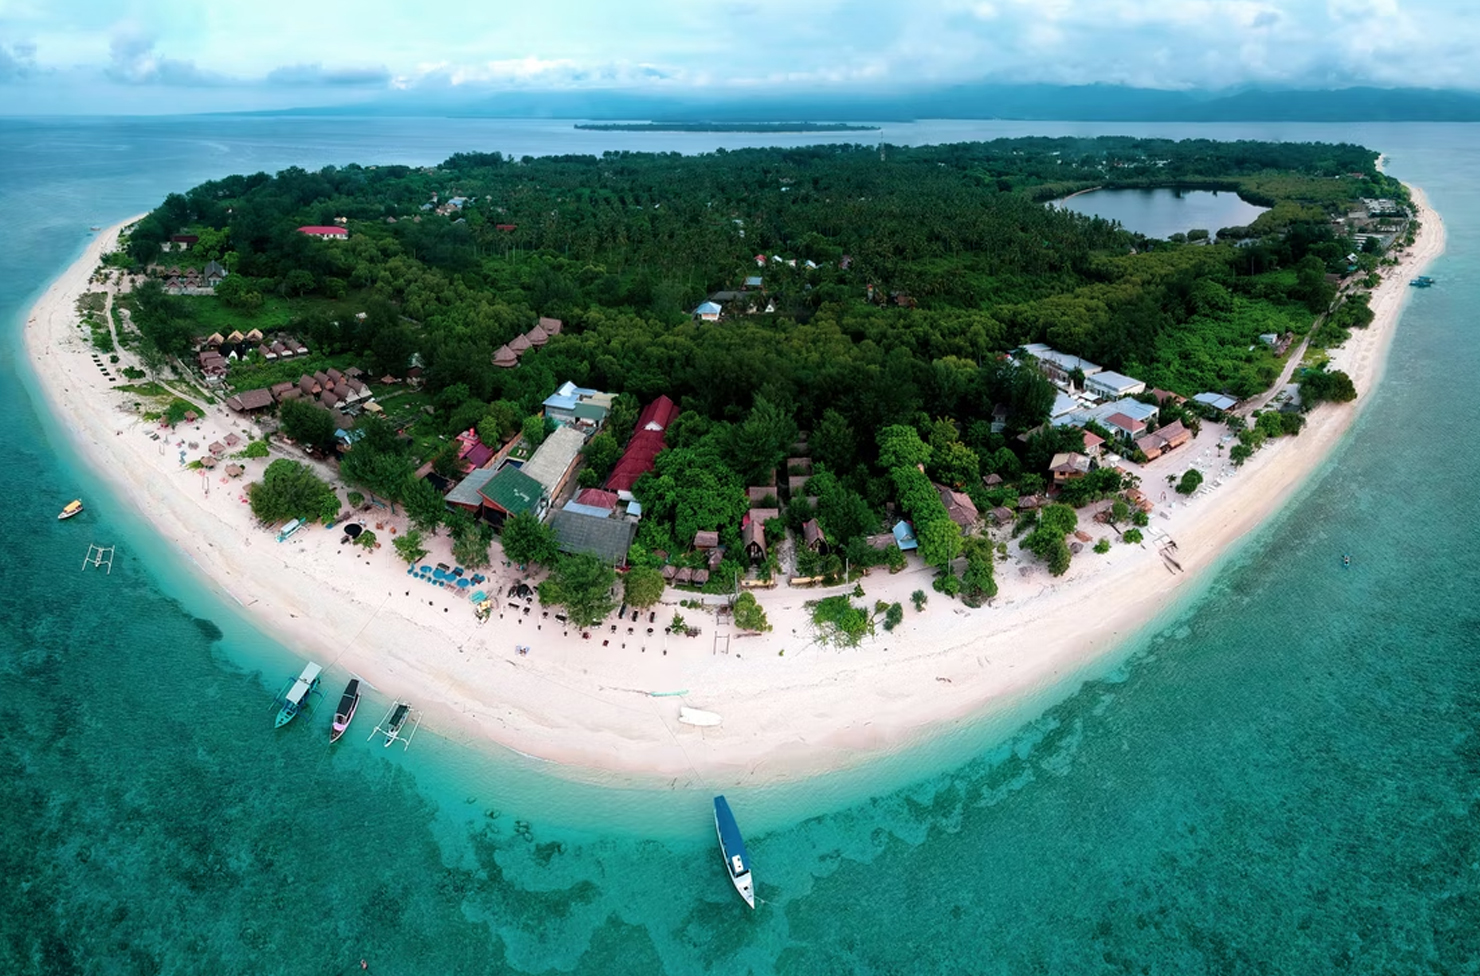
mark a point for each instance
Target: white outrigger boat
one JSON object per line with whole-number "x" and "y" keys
{"x": 698, "y": 717}
{"x": 297, "y": 696}
{"x": 74, "y": 507}
{"x": 349, "y": 703}
{"x": 732, "y": 846}
{"x": 395, "y": 723}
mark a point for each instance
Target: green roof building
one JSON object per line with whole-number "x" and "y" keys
{"x": 510, "y": 492}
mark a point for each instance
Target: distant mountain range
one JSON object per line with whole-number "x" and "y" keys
{"x": 1087, "y": 103}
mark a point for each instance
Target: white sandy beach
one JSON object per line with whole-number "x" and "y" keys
{"x": 585, "y": 703}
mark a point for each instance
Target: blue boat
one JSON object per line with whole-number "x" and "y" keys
{"x": 732, "y": 846}
{"x": 1422, "y": 281}
{"x": 298, "y": 694}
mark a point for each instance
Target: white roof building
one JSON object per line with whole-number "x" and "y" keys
{"x": 1108, "y": 384}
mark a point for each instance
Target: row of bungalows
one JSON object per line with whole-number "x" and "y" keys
{"x": 507, "y": 356}
{"x": 331, "y": 390}
{"x": 281, "y": 348}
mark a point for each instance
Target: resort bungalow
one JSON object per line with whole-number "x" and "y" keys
{"x": 1164, "y": 439}
{"x": 1218, "y": 401}
{"x": 466, "y": 494}
{"x": 753, "y": 538}
{"x": 813, "y": 537}
{"x": 607, "y": 539}
{"x": 904, "y": 536}
{"x": 1108, "y": 385}
{"x": 705, "y": 540}
{"x": 572, "y": 404}
{"x": 762, "y": 494}
{"x": 1002, "y": 516}
{"x": 509, "y": 492}
{"x": 536, "y": 337}
{"x": 593, "y": 502}
{"x": 325, "y": 233}
{"x": 278, "y": 389}
{"x": 959, "y": 506}
{"x": 708, "y": 312}
{"x": 1128, "y": 427}
{"x": 551, "y": 326}
{"x": 1068, "y": 467}
{"x": 250, "y": 401}
{"x": 1092, "y": 444}
{"x": 215, "y": 274}
{"x": 505, "y": 358}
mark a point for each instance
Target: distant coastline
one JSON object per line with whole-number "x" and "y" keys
{"x": 725, "y": 127}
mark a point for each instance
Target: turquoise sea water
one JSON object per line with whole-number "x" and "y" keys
{"x": 1281, "y": 776}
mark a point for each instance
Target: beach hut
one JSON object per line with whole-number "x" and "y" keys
{"x": 551, "y": 326}
{"x": 232, "y": 440}
{"x": 191, "y": 416}
{"x": 519, "y": 345}
{"x": 505, "y": 358}
{"x": 537, "y": 336}
{"x": 217, "y": 448}
{"x": 207, "y": 461}
{"x": 669, "y": 572}
{"x": 235, "y": 470}
{"x": 683, "y": 576}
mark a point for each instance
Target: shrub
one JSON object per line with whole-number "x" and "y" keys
{"x": 749, "y": 615}
{"x": 1132, "y": 536}
{"x": 1191, "y": 480}
{"x": 1103, "y": 546}
{"x": 893, "y": 616}
{"x": 919, "y": 598}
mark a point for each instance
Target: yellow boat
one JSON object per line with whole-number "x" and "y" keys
{"x": 73, "y": 508}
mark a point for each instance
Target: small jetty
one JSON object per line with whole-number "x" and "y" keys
{"x": 395, "y": 725}
{"x": 297, "y": 695}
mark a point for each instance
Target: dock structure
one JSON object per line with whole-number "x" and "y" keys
{"x": 99, "y": 556}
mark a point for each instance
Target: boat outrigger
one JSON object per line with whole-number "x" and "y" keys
{"x": 395, "y": 722}
{"x": 297, "y": 695}
{"x": 74, "y": 507}
{"x": 732, "y": 846}
{"x": 345, "y": 713}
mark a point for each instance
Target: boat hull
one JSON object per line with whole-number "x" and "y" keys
{"x": 732, "y": 849}
{"x": 345, "y": 713}
{"x": 75, "y": 508}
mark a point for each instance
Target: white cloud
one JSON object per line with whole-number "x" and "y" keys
{"x": 353, "y": 46}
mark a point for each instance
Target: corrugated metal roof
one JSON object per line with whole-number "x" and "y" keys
{"x": 607, "y": 539}
{"x": 466, "y": 492}
{"x": 512, "y": 490}
{"x": 554, "y": 457}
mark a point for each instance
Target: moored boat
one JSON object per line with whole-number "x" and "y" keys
{"x": 296, "y": 698}
{"x": 345, "y": 713}
{"x": 72, "y": 508}
{"x": 732, "y": 846}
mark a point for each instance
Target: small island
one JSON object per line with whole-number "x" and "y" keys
{"x": 763, "y": 127}
{"x": 822, "y": 449}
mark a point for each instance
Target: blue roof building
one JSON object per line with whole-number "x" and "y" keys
{"x": 904, "y": 536}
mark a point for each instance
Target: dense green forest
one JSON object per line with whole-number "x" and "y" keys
{"x": 898, "y": 276}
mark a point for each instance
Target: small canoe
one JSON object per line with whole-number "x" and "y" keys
{"x": 698, "y": 717}
{"x": 74, "y": 507}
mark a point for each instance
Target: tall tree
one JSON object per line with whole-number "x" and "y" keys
{"x": 582, "y": 585}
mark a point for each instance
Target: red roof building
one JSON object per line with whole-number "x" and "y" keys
{"x": 643, "y": 448}
{"x": 338, "y": 232}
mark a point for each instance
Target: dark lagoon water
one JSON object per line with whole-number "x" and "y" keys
{"x": 1163, "y": 211}
{"x": 1280, "y": 776}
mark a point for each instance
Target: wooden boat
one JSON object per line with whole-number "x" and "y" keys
{"x": 74, "y": 507}
{"x": 698, "y": 717}
{"x": 401, "y": 717}
{"x": 298, "y": 693}
{"x": 345, "y": 713}
{"x": 732, "y": 847}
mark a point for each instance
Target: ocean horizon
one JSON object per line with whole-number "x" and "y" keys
{"x": 1281, "y": 772}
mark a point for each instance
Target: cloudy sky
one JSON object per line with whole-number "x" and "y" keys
{"x": 191, "y": 55}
